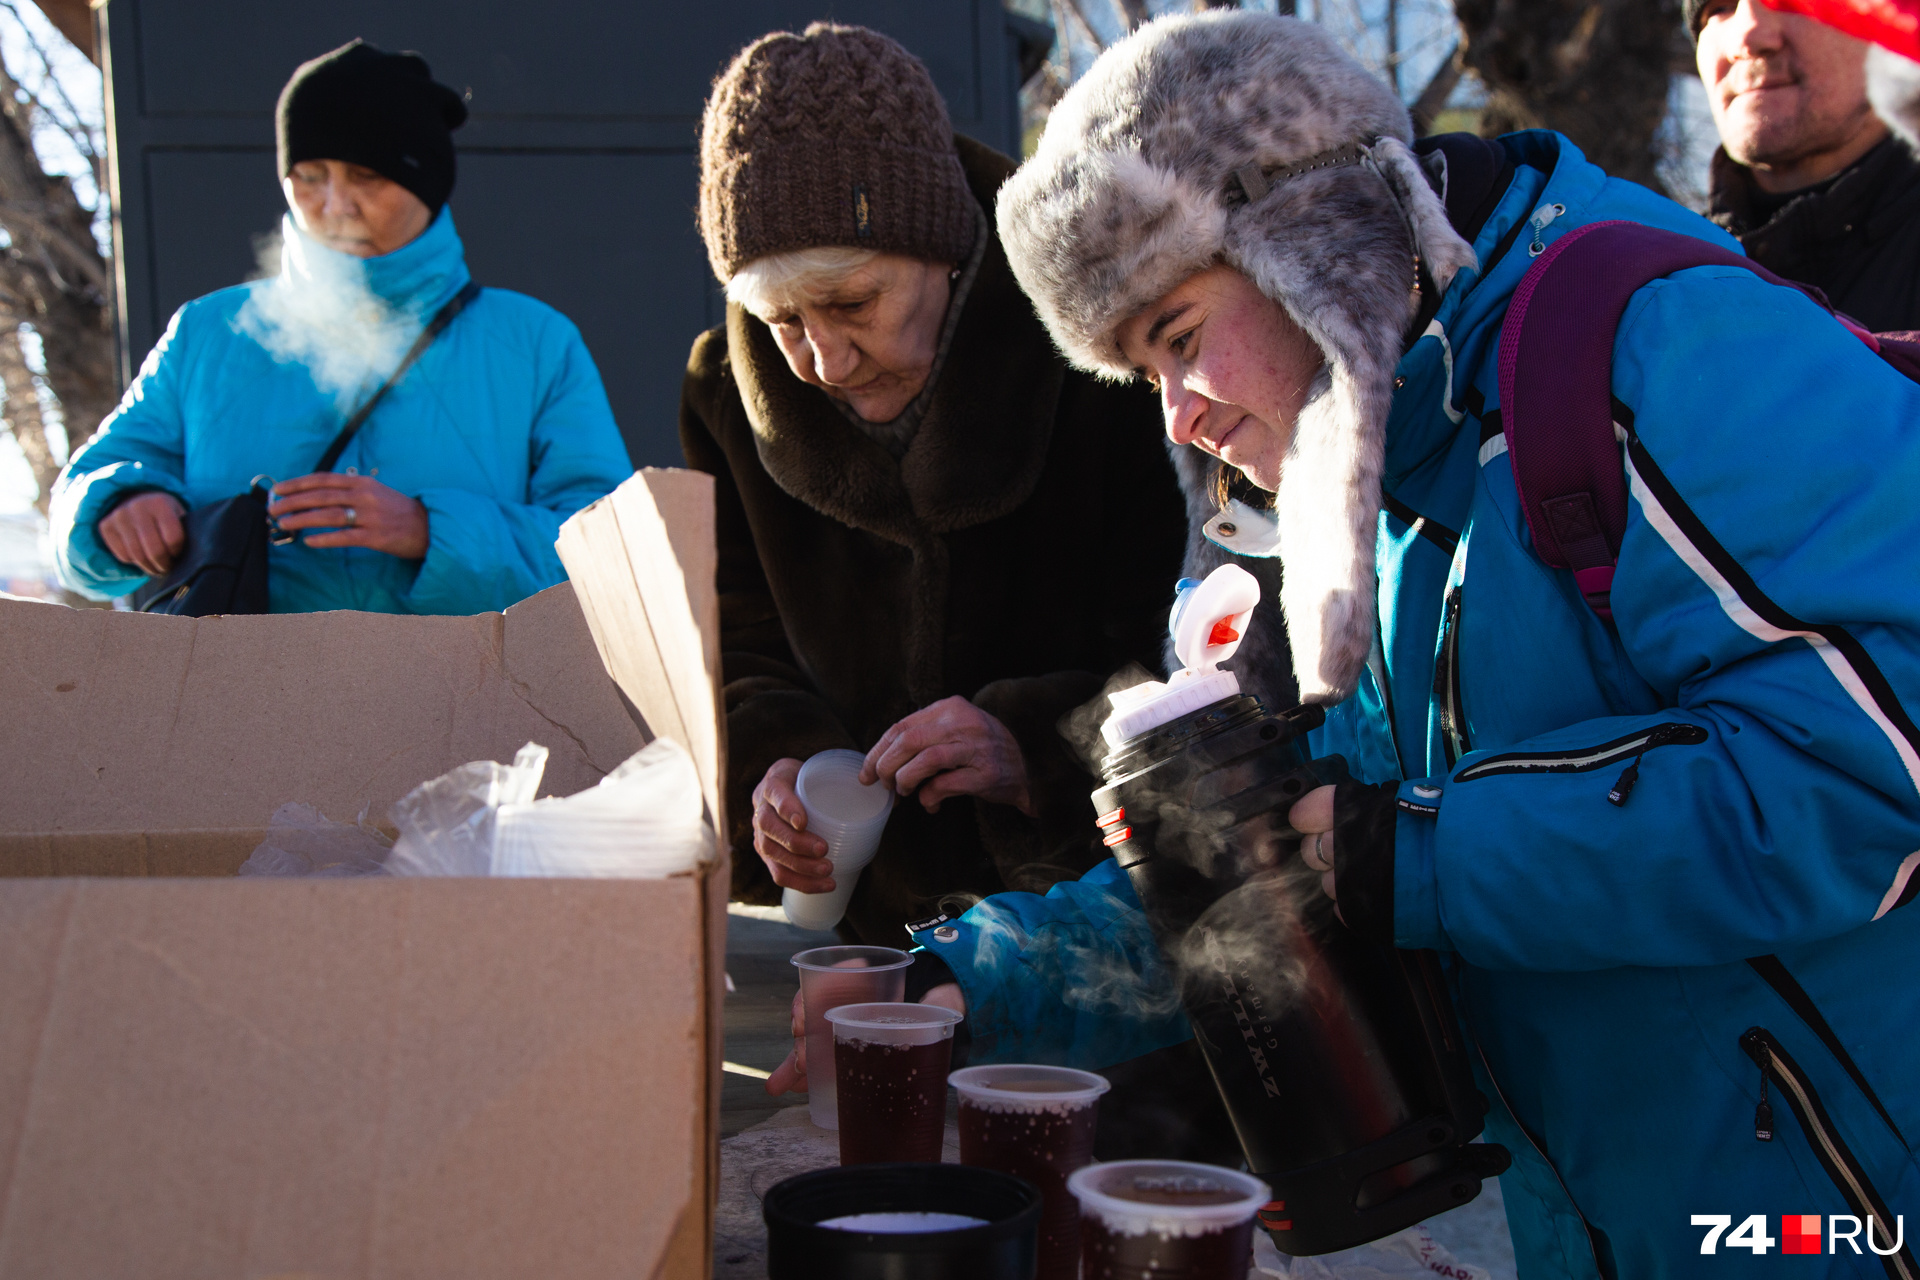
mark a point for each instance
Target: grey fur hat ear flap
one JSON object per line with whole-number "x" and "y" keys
{"x": 1434, "y": 239}
{"x": 1254, "y": 141}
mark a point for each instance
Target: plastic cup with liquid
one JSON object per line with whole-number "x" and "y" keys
{"x": 890, "y": 1071}
{"x": 1141, "y": 1219}
{"x": 1037, "y": 1123}
{"x": 829, "y": 978}
{"x": 850, "y": 818}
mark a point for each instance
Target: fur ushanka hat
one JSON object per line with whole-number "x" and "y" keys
{"x": 1253, "y": 141}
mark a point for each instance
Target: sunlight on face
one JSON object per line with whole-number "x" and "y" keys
{"x": 353, "y": 209}
{"x": 1232, "y": 368}
{"x": 869, "y": 340}
{"x": 1788, "y": 93}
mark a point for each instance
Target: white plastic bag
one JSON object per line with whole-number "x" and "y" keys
{"x": 645, "y": 820}
{"x": 302, "y": 841}
{"x": 447, "y": 825}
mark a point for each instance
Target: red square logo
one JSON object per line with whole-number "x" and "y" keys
{"x": 1800, "y": 1233}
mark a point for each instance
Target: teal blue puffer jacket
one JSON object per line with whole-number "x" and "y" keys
{"x": 502, "y": 430}
{"x": 1620, "y": 965}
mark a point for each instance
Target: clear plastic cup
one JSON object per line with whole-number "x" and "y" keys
{"x": 850, "y": 818}
{"x": 1141, "y": 1219}
{"x": 830, "y": 977}
{"x": 1037, "y": 1123}
{"x": 890, "y": 1070}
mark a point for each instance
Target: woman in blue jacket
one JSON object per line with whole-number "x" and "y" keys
{"x": 449, "y": 498}
{"x": 1228, "y": 206}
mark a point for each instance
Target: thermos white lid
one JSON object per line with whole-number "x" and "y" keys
{"x": 1209, "y": 618}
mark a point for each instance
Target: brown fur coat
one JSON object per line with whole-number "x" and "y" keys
{"x": 1023, "y": 550}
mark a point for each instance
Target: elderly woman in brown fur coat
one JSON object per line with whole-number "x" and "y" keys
{"x": 935, "y": 538}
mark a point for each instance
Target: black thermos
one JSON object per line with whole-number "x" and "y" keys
{"x": 1340, "y": 1061}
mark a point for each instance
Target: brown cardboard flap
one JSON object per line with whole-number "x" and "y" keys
{"x": 127, "y": 725}
{"x": 422, "y": 1079}
{"x": 642, "y": 561}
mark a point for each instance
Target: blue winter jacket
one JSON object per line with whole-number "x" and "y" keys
{"x": 502, "y": 430}
{"x": 1764, "y": 672}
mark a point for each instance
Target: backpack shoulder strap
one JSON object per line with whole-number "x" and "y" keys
{"x": 1556, "y": 388}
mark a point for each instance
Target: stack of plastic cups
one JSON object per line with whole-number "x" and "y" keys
{"x": 1145, "y": 1218}
{"x": 829, "y": 978}
{"x": 850, "y": 818}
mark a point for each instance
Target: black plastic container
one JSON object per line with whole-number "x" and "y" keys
{"x": 1006, "y": 1248}
{"x": 1339, "y": 1061}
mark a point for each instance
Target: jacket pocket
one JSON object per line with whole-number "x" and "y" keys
{"x": 1587, "y": 759}
{"x": 1778, "y": 1068}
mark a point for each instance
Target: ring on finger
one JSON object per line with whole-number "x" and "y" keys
{"x": 1319, "y": 860}
{"x": 352, "y": 517}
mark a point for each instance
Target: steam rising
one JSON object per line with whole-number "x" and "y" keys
{"x": 1251, "y": 942}
{"x": 312, "y": 307}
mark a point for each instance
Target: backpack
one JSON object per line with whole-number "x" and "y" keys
{"x": 1556, "y": 384}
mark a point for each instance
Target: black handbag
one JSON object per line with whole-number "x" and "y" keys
{"x": 223, "y": 568}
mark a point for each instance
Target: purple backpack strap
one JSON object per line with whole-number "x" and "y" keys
{"x": 1556, "y": 388}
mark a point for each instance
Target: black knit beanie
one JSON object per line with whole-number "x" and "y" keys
{"x": 382, "y": 110}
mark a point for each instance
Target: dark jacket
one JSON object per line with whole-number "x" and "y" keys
{"x": 1022, "y": 550}
{"x": 1856, "y": 237}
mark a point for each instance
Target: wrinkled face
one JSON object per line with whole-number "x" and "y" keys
{"x": 1785, "y": 91}
{"x": 352, "y": 208}
{"x": 869, "y": 338}
{"x": 1231, "y": 367}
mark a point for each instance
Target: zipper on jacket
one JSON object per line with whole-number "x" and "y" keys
{"x": 1630, "y": 777}
{"x": 1446, "y": 672}
{"x": 1776, "y": 975}
{"x": 1585, "y": 760}
{"x": 1831, "y": 1149}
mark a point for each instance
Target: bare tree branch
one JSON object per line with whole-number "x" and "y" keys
{"x": 1073, "y": 10}
{"x": 1433, "y": 99}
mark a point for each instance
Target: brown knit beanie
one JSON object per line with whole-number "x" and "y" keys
{"x": 832, "y": 137}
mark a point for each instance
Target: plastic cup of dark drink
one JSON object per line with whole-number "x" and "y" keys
{"x": 890, "y": 1071}
{"x": 1036, "y": 1123}
{"x": 829, "y": 978}
{"x": 1166, "y": 1220}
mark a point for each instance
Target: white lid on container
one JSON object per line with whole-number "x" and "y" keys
{"x": 1007, "y": 1086}
{"x": 1209, "y": 619}
{"x": 1101, "y": 1189}
{"x": 893, "y": 1023}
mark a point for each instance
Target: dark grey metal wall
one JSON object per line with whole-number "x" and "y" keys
{"x": 577, "y": 176}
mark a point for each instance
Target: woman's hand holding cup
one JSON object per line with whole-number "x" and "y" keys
{"x": 951, "y": 748}
{"x": 791, "y": 1075}
{"x": 796, "y": 858}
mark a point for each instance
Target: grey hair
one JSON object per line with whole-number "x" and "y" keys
{"x": 775, "y": 283}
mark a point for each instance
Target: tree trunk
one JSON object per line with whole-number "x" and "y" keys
{"x": 23, "y": 417}
{"x": 52, "y": 276}
{"x": 1596, "y": 70}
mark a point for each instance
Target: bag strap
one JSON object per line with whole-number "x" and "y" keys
{"x": 1556, "y": 384}
{"x": 435, "y": 327}
{"x": 1556, "y": 387}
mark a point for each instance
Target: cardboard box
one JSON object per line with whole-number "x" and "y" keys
{"x": 203, "y": 1076}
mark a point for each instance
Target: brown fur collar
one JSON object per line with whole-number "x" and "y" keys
{"x": 983, "y": 442}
